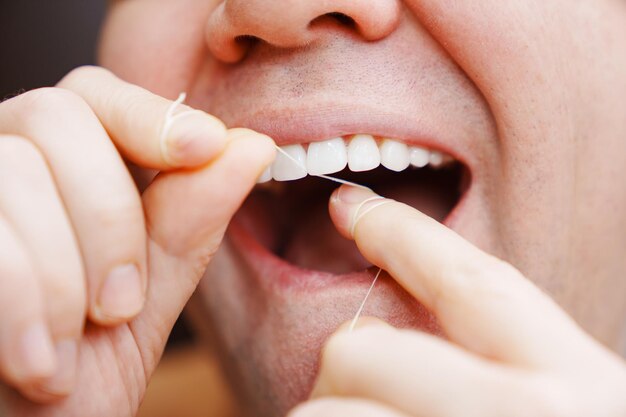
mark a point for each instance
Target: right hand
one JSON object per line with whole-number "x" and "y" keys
{"x": 79, "y": 241}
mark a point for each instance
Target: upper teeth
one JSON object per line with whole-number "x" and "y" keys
{"x": 326, "y": 157}
{"x": 358, "y": 153}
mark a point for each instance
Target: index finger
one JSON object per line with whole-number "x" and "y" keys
{"x": 483, "y": 303}
{"x": 147, "y": 129}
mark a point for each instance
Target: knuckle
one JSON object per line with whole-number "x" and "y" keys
{"x": 16, "y": 269}
{"x": 119, "y": 214}
{"x": 51, "y": 98}
{"x": 18, "y": 150}
{"x": 480, "y": 278}
{"x": 62, "y": 274}
{"x": 51, "y": 105}
{"x": 138, "y": 102}
{"x": 65, "y": 283}
{"x": 82, "y": 74}
{"x": 66, "y": 293}
{"x": 551, "y": 399}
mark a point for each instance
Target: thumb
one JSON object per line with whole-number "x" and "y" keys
{"x": 323, "y": 385}
{"x": 148, "y": 130}
{"x": 187, "y": 214}
{"x": 188, "y": 210}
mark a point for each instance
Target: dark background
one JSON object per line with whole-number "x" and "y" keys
{"x": 41, "y": 40}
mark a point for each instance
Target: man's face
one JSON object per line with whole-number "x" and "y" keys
{"x": 527, "y": 97}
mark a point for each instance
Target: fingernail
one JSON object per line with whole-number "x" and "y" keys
{"x": 352, "y": 195}
{"x": 62, "y": 383}
{"x": 194, "y": 139}
{"x": 122, "y": 294}
{"x": 349, "y": 204}
{"x": 35, "y": 353}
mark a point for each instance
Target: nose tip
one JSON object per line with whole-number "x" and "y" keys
{"x": 293, "y": 23}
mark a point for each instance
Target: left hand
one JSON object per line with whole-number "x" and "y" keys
{"x": 72, "y": 214}
{"x": 511, "y": 350}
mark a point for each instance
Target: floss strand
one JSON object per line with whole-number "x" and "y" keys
{"x": 170, "y": 118}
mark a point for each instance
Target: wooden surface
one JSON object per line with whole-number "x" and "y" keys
{"x": 188, "y": 383}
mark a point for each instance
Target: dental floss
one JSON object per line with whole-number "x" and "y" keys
{"x": 170, "y": 118}
{"x": 360, "y": 311}
{"x": 326, "y": 177}
{"x": 356, "y": 217}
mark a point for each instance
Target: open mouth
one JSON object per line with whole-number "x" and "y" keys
{"x": 287, "y": 213}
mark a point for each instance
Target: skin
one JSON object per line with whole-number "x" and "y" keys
{"x": 531, "y": 91}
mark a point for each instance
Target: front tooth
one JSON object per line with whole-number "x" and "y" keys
{"x": 266, "y": 176}
{"x": 363, "y": 153}
{"x": 419, "y": 157}
{"x": 327, "y": 157}
{"x": 394, "y": 155}
{"x": 286, "y": 169}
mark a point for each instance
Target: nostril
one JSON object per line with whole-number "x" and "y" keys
{"x": 236, "y": 26}
{"x": 247, "y": 41}
{"x": 342, "y": 18}
{"x": 338, "y": 17}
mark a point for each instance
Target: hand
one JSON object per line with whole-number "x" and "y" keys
{"x": 511, "y": 351}
{"x": 78, "y": 241}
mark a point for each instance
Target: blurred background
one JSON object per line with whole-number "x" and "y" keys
{"x": 41, "y": 41}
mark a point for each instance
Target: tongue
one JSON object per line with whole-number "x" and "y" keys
{"x": 315, "y": 243}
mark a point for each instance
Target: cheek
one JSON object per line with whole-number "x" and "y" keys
{"x": 156, "y": 44}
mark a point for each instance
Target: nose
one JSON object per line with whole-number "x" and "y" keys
{"x": 294, "y": 23}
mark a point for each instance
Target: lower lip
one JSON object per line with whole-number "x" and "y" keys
{"x": 281, "y": 275}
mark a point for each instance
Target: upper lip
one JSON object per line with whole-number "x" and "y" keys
{"x": 306, "y": 124}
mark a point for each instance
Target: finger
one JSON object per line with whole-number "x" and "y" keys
{"x": 30, "y": 203}
{"x": 98, "y": 192}
{"x": 422, "y": 375}
{"x": 27, "y": 353}
{"x": 343, "y": 407}
{"x": 140, "y": 124}
{"x": 188, "y": 213}
{"x": 483, "y": 303}
{"x": 206, "y": 199}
